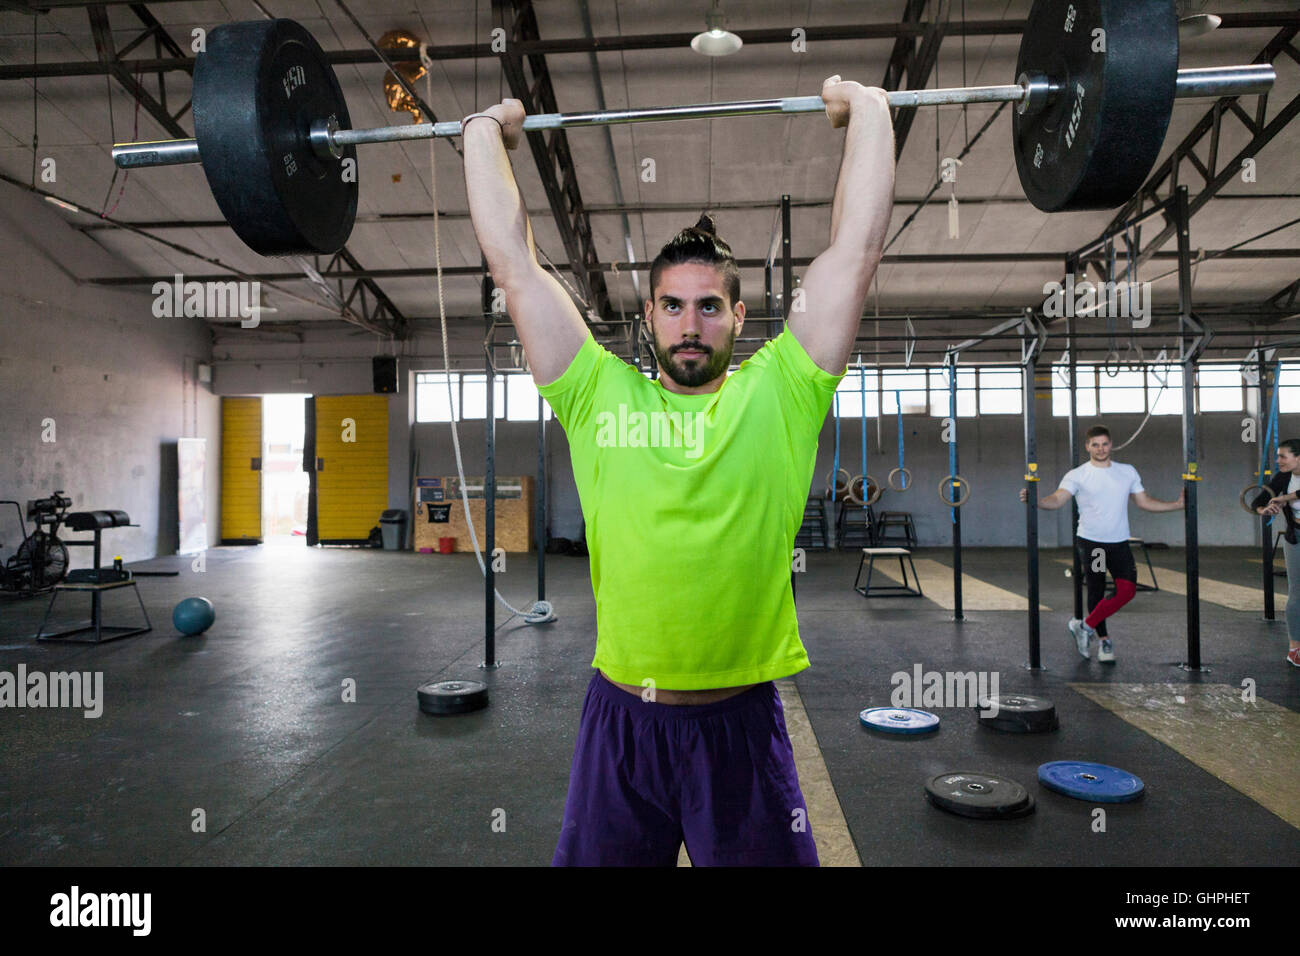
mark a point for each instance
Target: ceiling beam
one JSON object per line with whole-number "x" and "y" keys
{"x": 418, "y": 272}
{"x": 648, "y": 41}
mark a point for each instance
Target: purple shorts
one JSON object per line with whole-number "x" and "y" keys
{"x": 718, "y": 777}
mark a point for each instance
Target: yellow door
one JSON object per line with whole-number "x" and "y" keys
{"x": 241, "y": 470}
{"x": 351, "y": 465}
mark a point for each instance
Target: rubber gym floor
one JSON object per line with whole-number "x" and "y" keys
{"x": 245, "y": 728}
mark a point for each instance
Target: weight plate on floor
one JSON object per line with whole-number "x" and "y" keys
{"x": 899, "y": 720}
{"x": 1017, "y": 713}
{"x": 1093, "y": 146}
{"x": 1094, "y": 782}
{"x": 453, "y": 696}
{"x": 257, "y": 90}
{"x": 984, "y": 796}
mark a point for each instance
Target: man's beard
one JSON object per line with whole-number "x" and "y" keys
{"x": 699, "y": 371}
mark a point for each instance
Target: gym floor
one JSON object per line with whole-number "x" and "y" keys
{"x": 248, "y": 725}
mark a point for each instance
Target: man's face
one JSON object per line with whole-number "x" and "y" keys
{"x": 1099, "y": 448}
{"x": 693, "y": 325}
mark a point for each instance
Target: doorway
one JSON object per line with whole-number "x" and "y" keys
{"x": 284, "y": 483}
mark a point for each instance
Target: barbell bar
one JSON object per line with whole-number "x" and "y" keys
{"x": 1031, "y": 94}
{"x": 1096, "y": 84}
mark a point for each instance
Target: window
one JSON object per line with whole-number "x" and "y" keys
{"x": 1170, "y": 400}
{"x": 431, "y": 402}
{"x": 1085, "y": 390}
{"x": 999, "y": 391}
{"x": 1220, "y": 388}
{"x": 475, "y": 397}
{"x": 850, "y": 392}
{"x": 966, "y": 393}
{"x": 1122, "y": 392}
{"x": 910, "y": 388}
{"x": 521, "y": 399}
{"x": 1288, "y": 399}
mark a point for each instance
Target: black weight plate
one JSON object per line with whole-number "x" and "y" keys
{"x": 1095, "y": 144}
{"x": 257, "y": 90}
{"x": 453, "y": 696}
{"x": 983, "y": 796}
{"x": 1017, "y": 713}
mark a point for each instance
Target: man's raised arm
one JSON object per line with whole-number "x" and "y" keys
{"x": 549, "y": 325}
{"x": 837, "y": 281}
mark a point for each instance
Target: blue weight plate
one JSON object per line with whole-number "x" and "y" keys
{"x": 1094, "y": 782}
{"x": 899, "y": 720}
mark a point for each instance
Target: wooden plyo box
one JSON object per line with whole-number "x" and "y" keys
{"x": 439, "y": 512}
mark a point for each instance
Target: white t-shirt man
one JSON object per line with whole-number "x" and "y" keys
{"x": 1292, "y": 487}
{"x": 1102, "y": 495}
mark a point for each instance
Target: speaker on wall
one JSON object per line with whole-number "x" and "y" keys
{"x": 385, "y": 373}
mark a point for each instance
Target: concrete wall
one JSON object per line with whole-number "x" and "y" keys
{"x": 118, "y": 384}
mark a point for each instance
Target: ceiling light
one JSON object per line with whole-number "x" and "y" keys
{"x": 63, "y": 205}
{"x": 716, "y": 40}
{"x": 1198, "y": 25}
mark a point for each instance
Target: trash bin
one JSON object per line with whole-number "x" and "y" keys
{"x": 392, "y": 524}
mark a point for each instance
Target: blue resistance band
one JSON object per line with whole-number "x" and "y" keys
{"x": 835, "y": 474}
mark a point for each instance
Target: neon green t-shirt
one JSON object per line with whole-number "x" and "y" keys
{"x": 692, "y": 504}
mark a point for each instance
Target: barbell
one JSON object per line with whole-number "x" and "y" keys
{"x": 1094, "y": 94}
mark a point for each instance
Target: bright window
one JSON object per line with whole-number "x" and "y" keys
{"x": 999, "y": 391}
{"x": 850, "y": 391}
{"x": 1220, "y": 388}
{"x": 1288, "y": 399}
{"x": 910, "y": 386}
{"x": 475, "y": 397}
{"x": 521, "y": 399}
{"x": 966, "y": 394}
{"x": 431, "y": 402}
{"x": 1170, "y": 400}
{"x": 1122, "y": 392}
{"x": 1085, "y": 388}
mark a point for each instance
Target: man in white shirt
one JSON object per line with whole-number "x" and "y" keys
{"x": 1103, "y": 488}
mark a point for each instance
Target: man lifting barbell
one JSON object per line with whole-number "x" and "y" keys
{"x": 682, "y": 736}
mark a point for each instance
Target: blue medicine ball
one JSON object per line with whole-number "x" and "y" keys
{"x": 194, "y": 616}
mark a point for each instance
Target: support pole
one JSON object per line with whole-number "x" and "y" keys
{"x": 1076, "y": 575}
{"x": 489, "y": 489}
{"x": 787, "y": 259}
{"x": 954, "y": 466}
{"x": 1028, "y": 369}
{"x": 1191, "y": 338}
{"x": 1265, "y": 529}
{"x": 541, "y": 499}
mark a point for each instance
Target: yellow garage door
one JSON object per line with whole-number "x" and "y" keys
{"x": 241, "y": 470}
{"x": 351, "y": 465}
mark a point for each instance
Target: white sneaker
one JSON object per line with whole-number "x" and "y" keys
{"x": 1106, "y": 651}
{"x": 1083, "y": 635}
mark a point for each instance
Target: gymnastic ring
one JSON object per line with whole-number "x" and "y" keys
{"x": 874, "y": 491}
{"x": 1106, "y": 365}
{"x": 838, "y": 492}
{"x": 1252, "y": 491}
{"x": 959, "y": 482}
{"x": 907, "y": 479}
